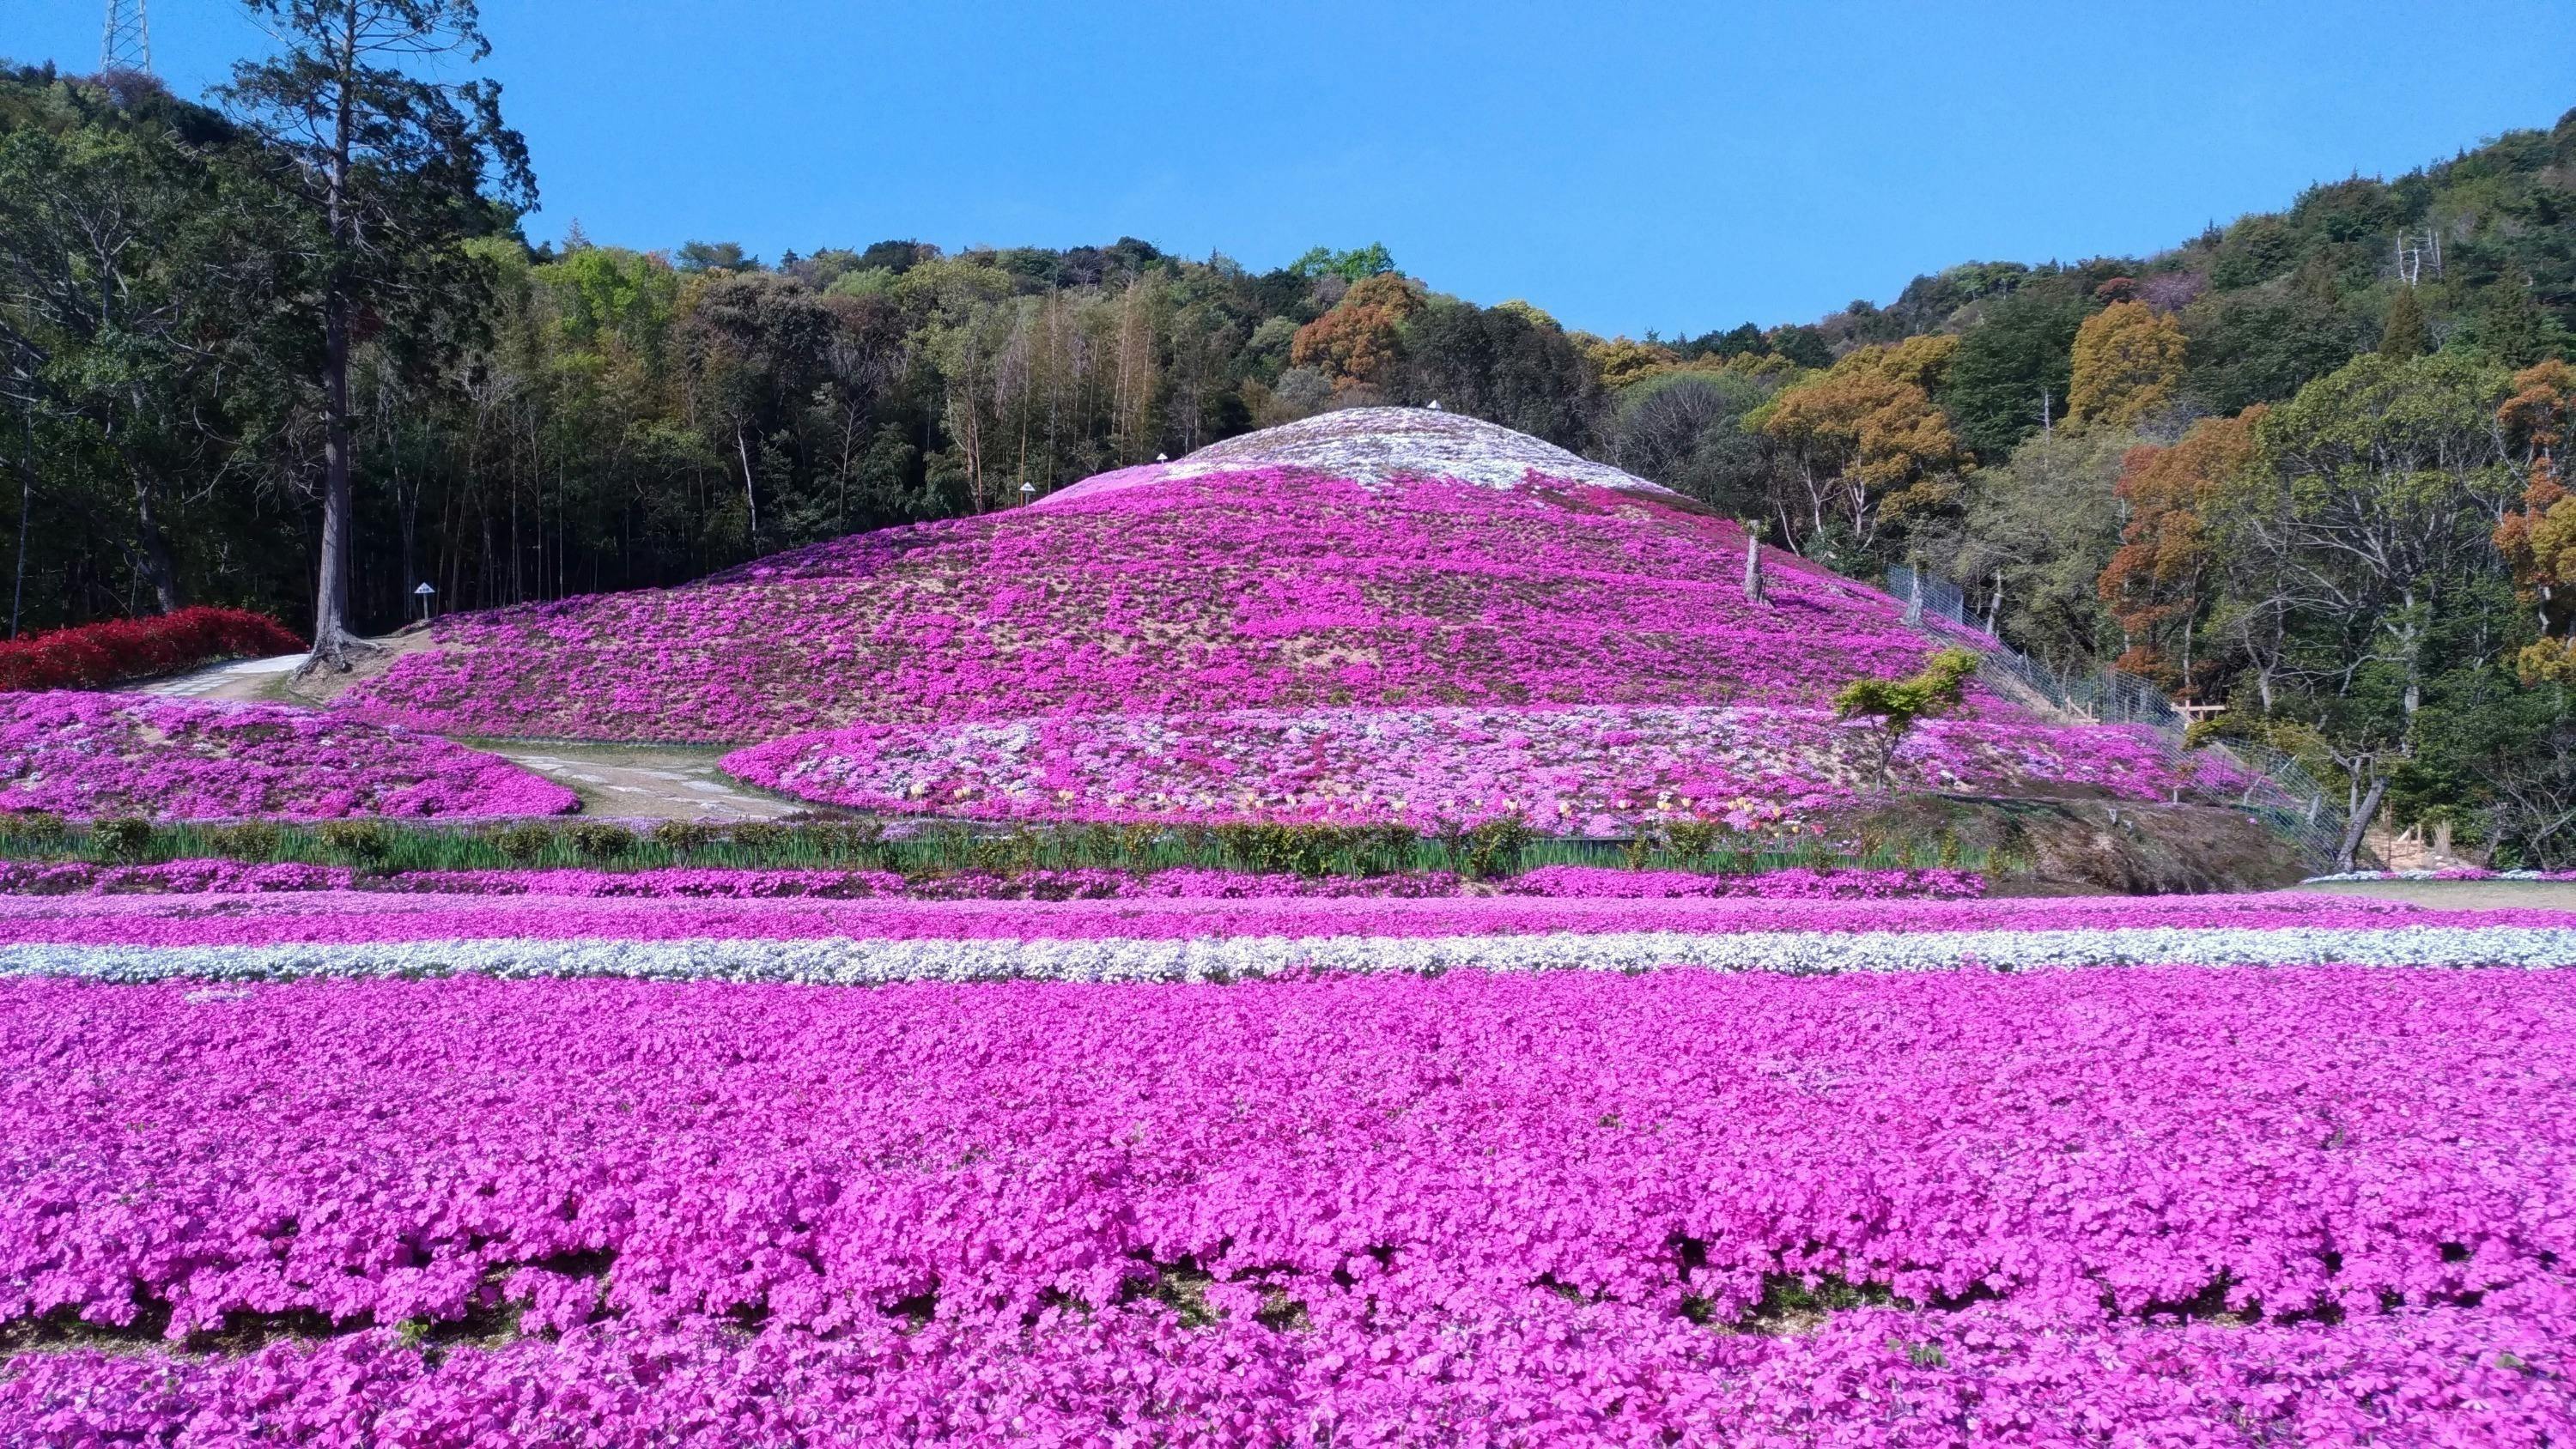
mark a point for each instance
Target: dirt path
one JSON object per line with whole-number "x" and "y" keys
{"x": 2463, "y": 895}
{"x": 233, "y": 679}
{"x": 642, "y": 782}
{"x": 630, "y": 782}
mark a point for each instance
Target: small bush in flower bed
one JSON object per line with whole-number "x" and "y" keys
{"x": 1588, "y": 769}
{"x": 2184, "y": 1206}
{"x": 92, "y": 656}
{"x": 1265, "y": 588}
{"x": 91, "y": 756}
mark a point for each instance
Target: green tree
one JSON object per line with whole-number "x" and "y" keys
{"x": 1898, "y": 705}
{"x": 2404, "y": 333}
{"x": 114, "y": 266}
{"x": 2013, "y": 368}
{"x": 389, "y": 167}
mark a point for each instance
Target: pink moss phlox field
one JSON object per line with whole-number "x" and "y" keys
{"x": 1466, "y": 1209}
{"x": 1578, "y": 882}
{"x": 1589, "y": 770}
{"x": 321, "y": 917}
{"x": 229, "y": 877}
{"x": 1555, "y": 1375}
{"x": 1268, "y": 588}
{"x": 85, "y": 755}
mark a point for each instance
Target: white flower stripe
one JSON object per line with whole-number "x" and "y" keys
{"x": 855, "y": 961}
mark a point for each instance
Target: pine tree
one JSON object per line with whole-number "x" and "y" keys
{"x": 2404, "y": 334}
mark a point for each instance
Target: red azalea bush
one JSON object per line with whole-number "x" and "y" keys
{"x": 95, "y": 655}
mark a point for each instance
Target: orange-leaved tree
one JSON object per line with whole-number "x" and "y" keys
{"x": 2539, "y": 542}
{"x": 2127, "y": 364}
{"x": 1865, "y": 440}
{"x": 1356, "y": 342}
{"x": 2158, "y": 579}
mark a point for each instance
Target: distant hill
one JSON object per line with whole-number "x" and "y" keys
{"x": 2270, "y": 300}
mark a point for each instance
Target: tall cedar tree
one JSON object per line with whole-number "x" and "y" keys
{"x": 388, "y": 169}
{"x": 2404, "y": 334}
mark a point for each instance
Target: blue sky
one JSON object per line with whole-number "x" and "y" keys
{"x": 1625, "y": 166}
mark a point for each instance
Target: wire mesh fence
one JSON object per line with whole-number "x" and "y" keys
{"x": 2265, "y": 783}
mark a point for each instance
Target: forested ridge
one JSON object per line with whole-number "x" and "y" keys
{"x": 2300, "y": 463}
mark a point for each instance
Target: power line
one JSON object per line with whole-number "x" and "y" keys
{"x": 127, "y": 43}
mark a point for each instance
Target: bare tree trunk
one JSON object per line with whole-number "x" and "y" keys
{"x": 750, "y": 499}
{"x": 1752, "y": 563}
{"x": 26, "y": 506}
{"x": 332, "y": 641}
{"x": 159, "y": 567}
{"x": 331, "y": 637}
{"x": 2353, "y": 829}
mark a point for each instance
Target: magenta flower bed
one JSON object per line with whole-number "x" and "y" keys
{"x": 87, "y": 756}
{"x": 1465, "y": 1209}
{"x": 1587, "y": 770}
{"x": 227, "y": 877}
{"x": 1555, "y": 1374}
{"x": 1267, "y": 588}
{"x": 360, "y": 916}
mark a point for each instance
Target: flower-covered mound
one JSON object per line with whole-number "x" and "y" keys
{"x": 1574, "y": 770}
{"x": 821, "y": 940}
{"x": 1264, "y": 588}
{"x": 2181, "y": 1206}
{"x": 88, "y": 756}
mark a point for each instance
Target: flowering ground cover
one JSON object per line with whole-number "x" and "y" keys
{"x": 227, "y": 877}
{"x": 379, "y": 933}
{"x": 1586, "y": 769}
{"x": 1268, "y": 587}
{"x": 87, "y": 756}
{"x": 2163, "y": 1205}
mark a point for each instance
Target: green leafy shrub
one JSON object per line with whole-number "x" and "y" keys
{"x": 524, "y": 843}
{"x": 1692, "y": 840}
{"x": 37, "y": 829}
{"x": 125, "y": 838}
{"x": 597, "y": 840}
{"x": 1493, "y": 849}
{"x": 683, "y": 838}
{"x": 251, "y": 840}
{"x": 364, "y": 841}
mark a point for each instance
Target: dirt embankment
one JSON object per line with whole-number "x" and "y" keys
{"x": 2127, "y": 847}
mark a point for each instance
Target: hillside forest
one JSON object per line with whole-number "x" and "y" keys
{"x": 2302, "y": 464}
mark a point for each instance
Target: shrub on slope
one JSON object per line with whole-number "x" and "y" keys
{"x": 92, "y": 755}
{"x": 1268, "y": 587}
{"x": 96, "y": 655}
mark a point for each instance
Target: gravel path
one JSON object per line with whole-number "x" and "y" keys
{"x": 646, "y": 782}
{"x": 2462, "y": 895}
{"x": 233, "y": 679}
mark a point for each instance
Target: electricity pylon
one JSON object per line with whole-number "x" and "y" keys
{"x": 127, "y": 44}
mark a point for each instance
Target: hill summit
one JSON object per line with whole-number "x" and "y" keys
{"x": 1380, "y": 557}
{"x": 1381, "y": 447}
